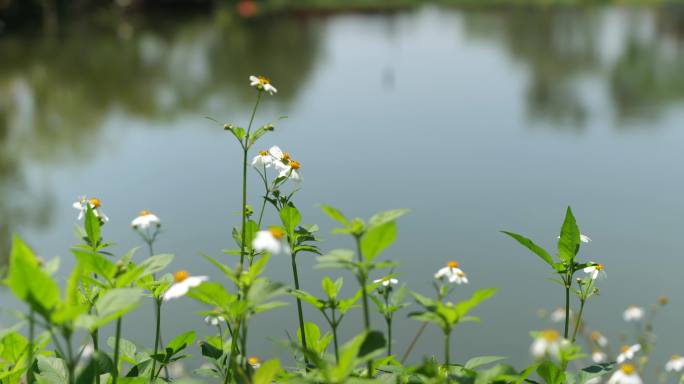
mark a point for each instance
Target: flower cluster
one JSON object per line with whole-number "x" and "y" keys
{"x": 286, "y": 166}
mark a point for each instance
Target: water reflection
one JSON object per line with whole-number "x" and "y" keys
{"x": 56, "y": 94}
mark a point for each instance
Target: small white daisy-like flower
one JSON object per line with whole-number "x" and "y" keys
{"x": 675, "y": 364}
{"x": 627, "y": 352}
{"x": 546, "y": 344}
{"x": 183, "y": 283}
{"x": 145, "y": 220}
{"x": 263, "y": 159}
{"x": 215, "y": 318}
{"x": 598, "y": 356}
{"x": 94, "y": 203}
{"x": 290, "y": 170}
{"x": 386, "y": 281}
{"x": 558, "y": 315}
{"x": 627, "y": 374}
{"x": 263, "y": 84}
{"x": 254, "y": 362}
{"x": 633, "y": 313}
{"x": 452, "y": 273}
{"x": 599, "y": 339}
{"x": 270, "y": 241}
{"x": 596, "y": 271}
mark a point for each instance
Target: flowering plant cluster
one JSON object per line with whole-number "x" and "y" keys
{"x": 58, "y": 339}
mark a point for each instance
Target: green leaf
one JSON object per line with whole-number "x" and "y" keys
{"x": 348, "y": 361}
{"x": 550, "y": 373}
{"x": 181, "y": 342}
{"x": 331, "y": 288}
{"x": 594, "y": 371}
{"x": 383, "y": 218}
{"x": 28, "y": 282}
{"x": 291, "y": 218}
{"x": 335, "y": 214}
{"x": 52, "y": 370}
{"x": 92, "y": 225}
{"x": 113, "y": 304}
{"x": 478, "y": 297}
{"x": 267, "y": 372}
{"x": 95, "y": 262}
{"x": 374, "y": 341}
{"x": 529, "y": 244}
{"x": 569, "y": 241}
{"x": 476, "y": 362}
{"x": 377, "y": 239}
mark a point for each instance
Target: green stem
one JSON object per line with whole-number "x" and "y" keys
{"x": 447, "y": 338}
{"x": 568, "y": 281}
{"x": 333, "y": 325}
{"x": 300, "y": 313}
{"x": 117, "y": 341}
{"x": 413, "y": 342}
{"x": 389, "y": 335}
{"x": 578, "y": 321}
{"x": 366, "y": 314}
{"x": 29, "y": 372}
{"x": 243, "y": 348}
{"x": 157, "y": 336}
{"x": 96, "y": 347}
{"x": 71, "y": 364}
{"x": 245, "y": 150}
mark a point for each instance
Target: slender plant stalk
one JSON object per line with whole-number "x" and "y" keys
{"x": 389, "y": 336}
{"x": 578, "y": 321}
{"x": 245, "y": 150}
{"x": 117, "y": 341}
{"x": 300, "y": 313}
{"x": 568, "y": 281}
{"x": 413, "y": 342}
{"x": 157, "y": 337}
{"x": 29, "y": 372}
{"x": 96, "y": 341}
{"x": 71, "y": 364}
{"x": 366, "y": 315}
{"x": 333, "y": 325}
{"x": 447, "y": 337}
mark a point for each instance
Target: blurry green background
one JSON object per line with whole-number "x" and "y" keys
{"x": 478, "y": 117}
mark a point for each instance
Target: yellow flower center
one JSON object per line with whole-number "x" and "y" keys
{"x": 277, "y": 232}
{"x": 598, "y": 267}
{"x": 263, "y": 80}
{"x": 95, "y": 202}
{"x": 627, "y": 369}
{"x": 286, "y": 156}
{"x": 295, "y": 164}
{"x": 452, "y": 264}
{"x": 144, "y": 212}
{"x": 624, "y": 348}
{"x": 263, "y": 153}
{"x": 253, "y": 360}
{"x": 181, "y": 275}
{"x": 663, "y": 300}
{"x": 675, "y": 357}
{"x": 550, "y": 335}
{"x": 595, "y": 335}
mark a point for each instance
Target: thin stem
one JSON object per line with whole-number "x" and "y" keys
{"x": 245, "y": 150}
{"x": 71, "y": 364}
{"x": 117, "y": 341}
{"x": 447, "y": 337}
{"x": 300, "y": 313}
{"x": 568, "y": 281}
{"x": 366, "y": 315}
{"x": 29, "y": 372}
{"x": 389, "y": 335}
{"x": 157, "y": 336}
{"x": 578, "y": 321}
{"x": 333, "y": 325}
{"x": 96, "y": 341}
{"x": 413, "y": 342}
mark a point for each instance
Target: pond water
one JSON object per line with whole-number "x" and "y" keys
{"x": 477, "y": 120}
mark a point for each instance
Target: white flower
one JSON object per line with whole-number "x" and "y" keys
{"x": 183, "y": 284}
{"x": 215, "y": 319}
{"x": 625, "y": 375}
{"x": 453, "y": 273}
{"x": 284, "y": 163}
{"x": 596, "y": 271}
{"x": 547, "y": 343}
{"x": 558, "y": 315}
{"x": 599, "y": 339}
{"x": 675, "y": 364}
{"x": 598, "y": 356}
{"x": 270, "y": 241}
{"x": 627, "y": 353}
{"x": 386, "y": 281}
{"x": 633, "y": 313}
{"x": 145, "y": 219}
{"x": 263, "y": 159}
{"x": 94, "y": 203}
{"x": 263, "y": 84}
{"x": 254, "y": 362}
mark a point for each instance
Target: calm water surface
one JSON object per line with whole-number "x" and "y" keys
{"x": 476, "y": 120}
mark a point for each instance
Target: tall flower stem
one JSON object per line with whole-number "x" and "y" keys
{"x": 158, "y": 303}
{"x": 578, "y": 321}
{"x": 389, "y": 336}
{"x": 364, "y": 296}
{"x": 447, "y": 337}
{"x": 334, "y": 331}
{"x": 568, "y": 281}
{"x": 29, "y": 372}
{"x": 245, "y": 150}
{"x": 300, "y": 313}
{"x": 117, "y": 342}
{"x": 413, "y": 342}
